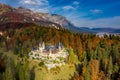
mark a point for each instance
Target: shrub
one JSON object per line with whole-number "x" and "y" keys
{"x": 41, "y": 63}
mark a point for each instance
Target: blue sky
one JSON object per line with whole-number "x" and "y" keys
{"x": 82, "y": 13}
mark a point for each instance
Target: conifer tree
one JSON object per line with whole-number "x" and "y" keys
{"x": 87, "y": 74}
{"x": 9, "y": 71}
{"x": 110, "y": 67}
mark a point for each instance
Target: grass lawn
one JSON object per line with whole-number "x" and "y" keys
{"x": 64, "y": 72}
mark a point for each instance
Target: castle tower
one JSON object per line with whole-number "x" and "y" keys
{"x": 50, "y": 52}
{"x": 60, "y": 47}
{"x": 43, "y": 45}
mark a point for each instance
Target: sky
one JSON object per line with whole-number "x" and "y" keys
{"x": 82, "y": 13}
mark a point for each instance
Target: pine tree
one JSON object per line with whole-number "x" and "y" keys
{"x": 9, "y": 71}
{"x": 84, "y": 60}
{"x": 87, "y": 74}
{"x": 8, "y": 74}
{"x": 110, "y": 68}
{"x": 21, "y": 73}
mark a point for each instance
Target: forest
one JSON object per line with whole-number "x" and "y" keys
{"x": 99, "y": 57}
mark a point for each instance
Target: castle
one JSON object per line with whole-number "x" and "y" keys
{"x": 48, "y": 50}
{"x": 52, "y": 56}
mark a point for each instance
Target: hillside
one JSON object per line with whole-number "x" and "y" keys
{"x": 9, "y": 14}
{"x": 90, "y": 56}
{"x": 23, "y": 15}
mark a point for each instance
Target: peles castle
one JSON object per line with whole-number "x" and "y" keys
{"x": 50, "y": 55}
{"x": 48, "y": 51}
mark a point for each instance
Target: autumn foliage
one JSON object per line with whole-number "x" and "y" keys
{"x": 99, "y": 57}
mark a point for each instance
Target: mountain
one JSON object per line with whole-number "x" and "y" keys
{"x": 5, "y": 8}
{"x": 18, "y": 15}
{"x": 109, "y": 30}
{"x": 98, "y": 30}
{"x": 9, "y": 14}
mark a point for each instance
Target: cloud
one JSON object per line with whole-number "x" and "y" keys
{"x": 36, "y": 5}
{"x": 73, "y": 6}
{"x": 68, "y": 8}
{"x": 76, "y": 3}
{"x": 96, "y": 11}
{"x": 112, "y": 22}
{"x": 30, "y": 2}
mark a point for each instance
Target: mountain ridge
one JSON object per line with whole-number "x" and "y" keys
{"x": 34, "y": 17}
{"x": 23, "y": 15}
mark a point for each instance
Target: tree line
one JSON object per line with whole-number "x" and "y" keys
{"x": 99, "y": 57}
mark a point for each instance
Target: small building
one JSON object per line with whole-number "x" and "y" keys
{"x": 50, "y": 54}
{"x": 102, "y": 34}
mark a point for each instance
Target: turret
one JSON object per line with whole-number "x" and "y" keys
{"x": 43, "y": 45}
{"x": 50, "y": 52}
{"x": 60, "y": 47}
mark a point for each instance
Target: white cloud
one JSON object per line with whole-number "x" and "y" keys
{"x": 112, "y": 22}
{"x": 36, "y": 5}
{"x": 30, "y": 2}
{"x": 73, "y": 6}
{"x": 68, "y": 8}
{"x": 96, "y": 11}
{"x": 76, "y": 3}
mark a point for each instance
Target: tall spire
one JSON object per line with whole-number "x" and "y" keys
{"x": 50, "y": 52}
{"x": 59, "y": 47}
{"x": 43, "y": 45}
